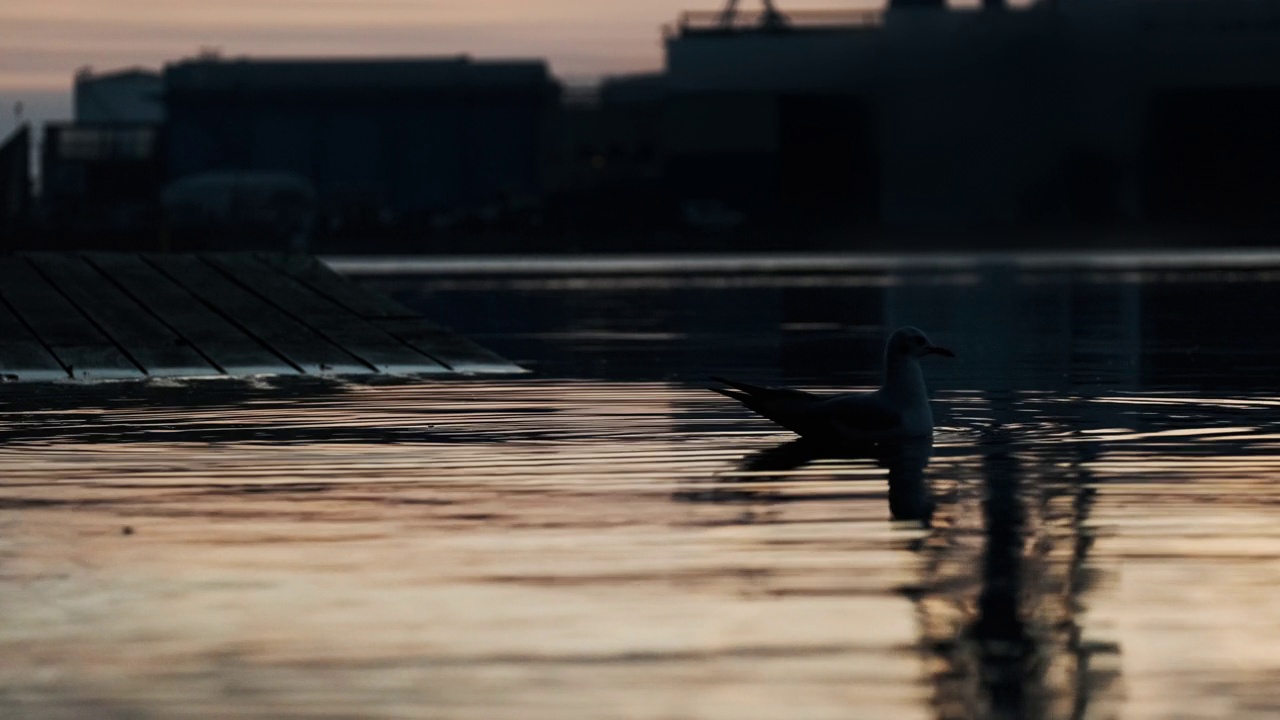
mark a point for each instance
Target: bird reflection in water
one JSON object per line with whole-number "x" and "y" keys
{"x": 891, "y": 426}
{"x": 910, "y": 496}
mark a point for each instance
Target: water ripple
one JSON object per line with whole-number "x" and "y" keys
{"x": 419, "y": 543}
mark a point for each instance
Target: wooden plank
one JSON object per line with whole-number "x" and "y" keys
{"x": 22, "y": 357}
{"x": 158, "y": 350}
{"x": 455, "y": 351}
{"x": 269, "y": 325}
{"x": 235, "y": 352}
{"x": 325, "y": 317}
{"x": 74, "y": 341}
{"x": 323, "y": 280}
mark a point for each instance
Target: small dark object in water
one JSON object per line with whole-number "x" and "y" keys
{"x": 126, "y": 530}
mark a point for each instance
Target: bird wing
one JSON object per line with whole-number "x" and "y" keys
{"x": 795, "y": 410}
{"x": 854, "y": 416}
{"x": 761, "y": 393}
{"x": 862, "y": 413}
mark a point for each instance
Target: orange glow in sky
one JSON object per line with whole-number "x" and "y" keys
{"x": 42, "y": 43}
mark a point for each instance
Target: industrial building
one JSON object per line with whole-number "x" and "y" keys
{"x": 391, "y": 141}
{"x": 994, "y": 116}
{"x": 100, "y": 183}
{"x": 101, "y": 173}
{"x": 215, "y": 152}
{"x": 767, "y": 127}
{"x": 132, "y": 96}
{"x": 15, "y": 185}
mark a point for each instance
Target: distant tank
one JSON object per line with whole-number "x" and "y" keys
{"x": 239, "y": 211}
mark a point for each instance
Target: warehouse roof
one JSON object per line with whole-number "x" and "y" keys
{"x": 213, "y": 74}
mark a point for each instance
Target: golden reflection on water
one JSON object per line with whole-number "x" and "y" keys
{"x": 542, "y": 549}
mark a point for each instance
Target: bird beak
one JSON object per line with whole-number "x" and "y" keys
{"x": 935, "y": 350}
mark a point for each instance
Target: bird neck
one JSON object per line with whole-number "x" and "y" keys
{"x": 903, "y": 380}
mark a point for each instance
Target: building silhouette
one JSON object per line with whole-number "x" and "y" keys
{"x": 390, "y": 142}
{"x": 767, "y": 127}
{"x": 923, "y": 116}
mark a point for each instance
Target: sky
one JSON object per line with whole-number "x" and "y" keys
{"x": 43, "y": 42}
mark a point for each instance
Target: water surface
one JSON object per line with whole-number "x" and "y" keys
{"x": 591, "y": 542}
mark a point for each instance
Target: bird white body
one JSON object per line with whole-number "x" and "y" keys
{"x": 899, "y": 409}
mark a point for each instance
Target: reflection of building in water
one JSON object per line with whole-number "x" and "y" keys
{"x": 924, "y": 116}
{"x": 1017, "y": 328}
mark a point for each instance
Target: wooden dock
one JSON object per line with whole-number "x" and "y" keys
{"x": 115, "y": 315}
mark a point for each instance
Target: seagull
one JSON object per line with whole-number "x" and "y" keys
{"x": 899, "y": 410}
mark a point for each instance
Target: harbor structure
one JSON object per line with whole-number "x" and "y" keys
{"x": 924, "y": 115}
{"x": 390, "y": 139}
{"x": 825, "y": 126}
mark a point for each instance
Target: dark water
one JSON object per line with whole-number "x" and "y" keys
{"x": 599, "y": 540}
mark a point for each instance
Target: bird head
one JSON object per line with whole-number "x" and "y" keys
{"x": 912, "y": 343}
